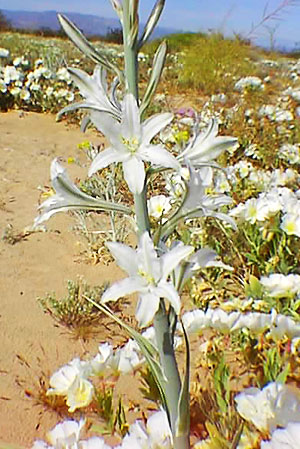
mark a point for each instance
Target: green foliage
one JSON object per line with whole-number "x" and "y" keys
{"x": 211, "y": 63}
{"x": 221, "y": 379}
{"x": 275, "y": 369}
{"x": 176, "y": 42}
{"x": 73, "y": 311}
{"x": 113, "y": 414}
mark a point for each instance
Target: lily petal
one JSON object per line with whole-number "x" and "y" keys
{"x": 134, "y": 174}
{"x": 108, "y": 126}
{"x": 125, "y": 257}
{"x": 105, "y": 158}
{"x": 173, "y": 258}
{"x": 147, "y": 306}
{"x": 68, "y": 196}
{"x": 168, "y": 291}
{"x": 157, "y": 155}
{"x": 153, "y": 125}
{"x": 131, "y": 125}
{"x": 147, "y": 258}
{"x": 122, "y": 288}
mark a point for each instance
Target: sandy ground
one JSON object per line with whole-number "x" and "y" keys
{"x": 41, "y": 263}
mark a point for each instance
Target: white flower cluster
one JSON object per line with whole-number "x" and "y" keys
{"x": 290, "y": 153}
{"x": 268, "y": 204}
{"x": 155, "y": 434}
{"x": 262, "y": 179}
{"x": 276, "y": 113}
{"x": 37, "y": 86}
{"x": 277, "y": 325}
{"x": 280, "y": 286}
{"x": 72, "y": 380}
{"x": 249, "y": 83}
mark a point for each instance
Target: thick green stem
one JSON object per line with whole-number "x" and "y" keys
{"x": 141, "y": 212}
{"x": 131, "y": 76}
{"x": 168, "y": 363}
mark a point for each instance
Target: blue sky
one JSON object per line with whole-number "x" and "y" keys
{"x": 229, "y": 16}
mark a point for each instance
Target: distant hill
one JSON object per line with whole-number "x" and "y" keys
{"x": 89, "y": 24}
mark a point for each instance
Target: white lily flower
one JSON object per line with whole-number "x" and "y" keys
{"x": 68, "y": 196}
{"x": 207, "y": 146}
{"x": 198, "y": 204}
{"x": 130, "y": 143}
{"x": 287, "y": 438}
{"x": 148, "y": 276}
{"x": 94, "y": 90}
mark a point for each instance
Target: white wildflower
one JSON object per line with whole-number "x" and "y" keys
{"x": 158, "y": 206}
{"x": 148, "y": 275}
{"x": 290, "y": 224}
{"x": 287, "y": 438}
{"x": 130, "y": 143}
{"x": 274, "y": 405}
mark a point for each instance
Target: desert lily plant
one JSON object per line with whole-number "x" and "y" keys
{"x": 158, "y": 268}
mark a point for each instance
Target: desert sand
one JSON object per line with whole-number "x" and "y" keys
{"x": 39, "y": 263}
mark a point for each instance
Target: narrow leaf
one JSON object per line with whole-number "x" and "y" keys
{"x": 157, "y": 68}
{"x": 85, "y": 105}
{"x": 152, "y": 21}
{"x": 237, "y": 437}
{"x": 183, "y": 420}
{"x": 84, "y": 45}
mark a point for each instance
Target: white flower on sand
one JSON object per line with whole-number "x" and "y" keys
{"x": 66, "y": 434}
{"x": 127, "y": 358}
{"x": 101, "y": 361}
{"x": 148, "y": 276}
{"x": 155, "y": 435}
{"x": 70, "y": 381}
{"x": 159, "y": 205}
{"x": 274, "y": 405}
{"x": 287, "y": 438}
{"x": 207, "y": 146}
{"x": 130, "y": 143}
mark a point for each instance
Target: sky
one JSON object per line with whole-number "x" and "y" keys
{"x": 228, "y": 16}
